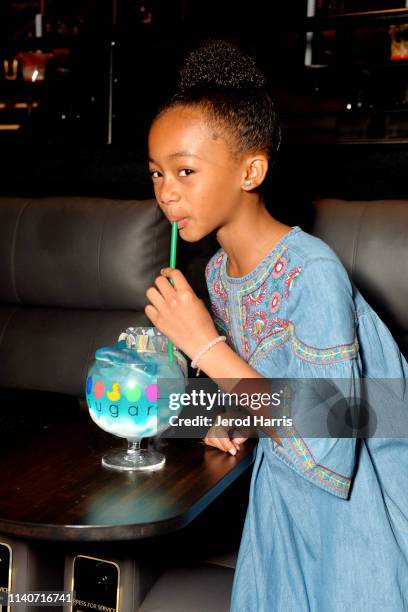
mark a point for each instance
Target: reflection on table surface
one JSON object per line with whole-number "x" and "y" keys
{"x": 54, "y": 487}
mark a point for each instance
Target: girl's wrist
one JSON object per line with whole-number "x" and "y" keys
{"x": 212, "y": 357}
{"x": 224, "y": 365}
{"x": 210, "y": 345}
{"x": 194, "y": 349}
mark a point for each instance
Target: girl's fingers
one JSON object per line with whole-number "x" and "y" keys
{"x": 151, "y": 313}
{"x": 164, "y": 287}
{"x": 155, "y": 297}
{"x": 224, "y": 444}
{"x": 178, "y": 278}
{"x": 223, "y": 441}
{"x": 239, "y": 440}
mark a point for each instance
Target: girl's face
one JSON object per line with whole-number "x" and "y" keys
{"x": 196, "y": 180}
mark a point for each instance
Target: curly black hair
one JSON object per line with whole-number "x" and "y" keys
{"x": 228, "y": 86}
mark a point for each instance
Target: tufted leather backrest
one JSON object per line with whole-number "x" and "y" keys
{"x": 79, "y": 252}
{"x": 73, "y": 274}
{"x": 371, "y": 239}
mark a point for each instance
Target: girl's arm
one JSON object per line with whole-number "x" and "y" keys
{"x": 181, "y": 316}
{"x": 221, "y": 363}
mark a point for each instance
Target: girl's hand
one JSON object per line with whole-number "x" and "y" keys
{"x": 179, "y": 314}
{"x": 215, "y": 437}
{"x": 220, "y": 436}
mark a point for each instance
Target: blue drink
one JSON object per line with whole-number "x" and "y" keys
{"x": 127, "y": 391}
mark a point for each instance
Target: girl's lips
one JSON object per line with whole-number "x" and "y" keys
{"x": 181, "y": 221}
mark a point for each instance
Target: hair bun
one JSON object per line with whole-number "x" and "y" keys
{"x": 219, "y": 64}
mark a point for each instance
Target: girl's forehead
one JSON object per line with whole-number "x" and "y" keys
{"x": 184, "y": 129}
{"x": 183, "y": 113}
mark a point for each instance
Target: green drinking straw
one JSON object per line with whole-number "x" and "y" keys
{"x": 173, "y": 257}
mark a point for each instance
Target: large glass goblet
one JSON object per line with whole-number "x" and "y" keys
{"x": 128, "y": 389}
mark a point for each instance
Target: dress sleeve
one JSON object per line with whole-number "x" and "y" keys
{"x": 320, "y": 446}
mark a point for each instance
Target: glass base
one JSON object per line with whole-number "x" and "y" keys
{"x": 131, "y": 461}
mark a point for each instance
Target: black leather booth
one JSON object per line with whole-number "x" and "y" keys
{"x": 73, "y": 273}
{"x": 371, "y": 239}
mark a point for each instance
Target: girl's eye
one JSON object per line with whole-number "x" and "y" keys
{"x": 155, "y": 174}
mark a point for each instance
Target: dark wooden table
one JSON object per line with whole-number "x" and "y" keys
{"x": 53, "y": 486}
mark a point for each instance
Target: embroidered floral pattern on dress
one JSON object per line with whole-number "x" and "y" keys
{"x": 276, "y": 325}
{"x": 279, "y": 267}
{"x": 244, "y": 313}
{"x": 247, "y": 313}
{"x": 274, "y": 302}
{"x": 290, "y": 277}
{"x": 276, "y": 339}
{"x": 256, "y": 322}
{"x": 218, "y": 260}
{"x": 225, "y": 313}
{"x": 217, "y": 288}
{"x": 258, "y": 296}
{"x": 220, "y": 308}
{"x": 221, "y": 318}
{"x": 248, "y": 308}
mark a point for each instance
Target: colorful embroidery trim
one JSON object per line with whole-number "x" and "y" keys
{"x": 275, "y": 340}
{"x": 311, "y": 354}
{"x": 328, "y": 477}
{"x": 332, "y": 354}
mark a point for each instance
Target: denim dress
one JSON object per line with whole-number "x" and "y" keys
{"x": 326, "y": 528}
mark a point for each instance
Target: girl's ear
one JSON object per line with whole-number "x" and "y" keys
{"x": 256, "y": 168}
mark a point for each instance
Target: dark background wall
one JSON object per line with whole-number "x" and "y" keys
{"x": 83, "y": 128}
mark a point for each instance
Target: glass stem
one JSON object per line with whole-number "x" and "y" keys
{"x": 133, "y": 447}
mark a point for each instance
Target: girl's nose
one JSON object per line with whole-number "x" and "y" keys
{"x": 168, "y": 193}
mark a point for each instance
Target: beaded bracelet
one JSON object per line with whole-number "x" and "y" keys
{"x": 194, "y": 363}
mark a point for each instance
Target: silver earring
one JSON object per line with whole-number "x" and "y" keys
{"x": 247, "y": 183}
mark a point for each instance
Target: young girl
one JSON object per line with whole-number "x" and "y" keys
{"x": 327, "y": 522}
